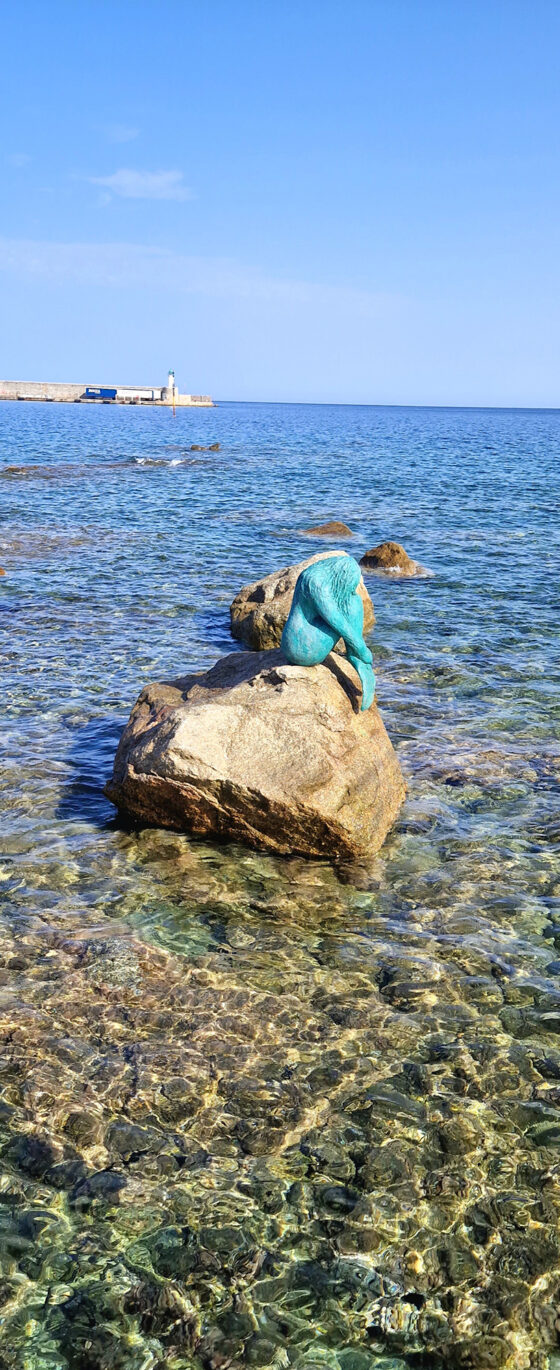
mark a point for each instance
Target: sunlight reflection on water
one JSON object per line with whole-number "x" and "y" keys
{"x": 256, "y": 1111}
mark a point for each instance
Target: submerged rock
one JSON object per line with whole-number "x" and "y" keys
{"x": 334, "y": 529}
{"x": 391, "y": 558}
{"x": 262, "y": 752}
{"x": 258, "y": 613}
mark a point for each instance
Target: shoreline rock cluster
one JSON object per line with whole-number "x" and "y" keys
{"x": 256, "y": 750}
{"x": 388, "y": 558}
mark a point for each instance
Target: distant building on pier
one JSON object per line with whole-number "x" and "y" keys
{"x": 102, "y": 394}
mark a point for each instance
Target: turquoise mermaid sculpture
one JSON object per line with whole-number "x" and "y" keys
{"x": 326, "y": 606}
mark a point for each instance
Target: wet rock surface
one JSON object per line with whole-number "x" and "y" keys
{"x": 333, "y": 529}
{"x": 390, "y": 558}
{"x": 273, "y": 755}
{"x": 196, "y": 1161}
{"x": 258, "y": 613}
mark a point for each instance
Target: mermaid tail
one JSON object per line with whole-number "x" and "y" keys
{"x": 367, "y": 677}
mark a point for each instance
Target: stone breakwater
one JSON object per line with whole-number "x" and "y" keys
{"x": 58, "y": 392}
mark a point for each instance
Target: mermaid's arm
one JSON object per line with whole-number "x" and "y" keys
{"x": 329, "y": 609}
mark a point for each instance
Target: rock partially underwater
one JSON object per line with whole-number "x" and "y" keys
{"x": 258, "y": 613}
{"x": 333, "y": 529}
{"x": 208, "y": 1161}
{"x": 258, "y": 751}
{"x": 390, "y": 558}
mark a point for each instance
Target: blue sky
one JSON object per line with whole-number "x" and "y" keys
{"x": 330, "y": 200}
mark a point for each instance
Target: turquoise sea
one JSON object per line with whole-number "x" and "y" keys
{"x": 253, "y": 1113}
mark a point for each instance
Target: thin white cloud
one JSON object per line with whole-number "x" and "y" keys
{"x": 18, "y": 159}
{"x": 126, "y": 265}
{"x": 120, "y": 133}
{"x": 144, "y": 185}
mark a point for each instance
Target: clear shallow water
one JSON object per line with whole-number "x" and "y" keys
{"x": 258, "y": 1112}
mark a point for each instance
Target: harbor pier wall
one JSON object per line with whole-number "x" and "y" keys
{"x": 39, "y": 390}
{"x": 126, "y": 394}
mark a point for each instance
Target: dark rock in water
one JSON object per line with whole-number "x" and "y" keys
{"x": 165, "y": 1310}
{"x": 334, "y": 529}
{"x": 33, "y": 1222}
{"x": 259, "y": 1351}
{"x": 337, "y": 1198}
{"x": 111, "y": 961}
{"x": 259, "y": 612}
{"x": 330, "y": 1159}
{"x": 458, "y": 1260}
{"x": 127, "y": 1139}
{"x": 67, "y": 1175}
{"x": 391, "y": 558}
{"x": 103, "y": 1184}
{"x": 32, "y": 1154}
{"x": 173, "y": 1252}
{"x": 82, "y": 1127}
{"x": 214, "y": 447}
{"x": 545, "y": 1135}
{"x": 80, "y": 1308}
{"x": 459, "y": 1136}
{"x": 180, "y": 1099}
{"x": 528, "y": 1257}
{"x": 265, "y": 753}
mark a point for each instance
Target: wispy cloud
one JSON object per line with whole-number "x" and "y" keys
{"x": 126, "y": 265}
{"x": 18, "y": 159}
{"x": 144, "y": 185}
{"x": 120, "y": 133}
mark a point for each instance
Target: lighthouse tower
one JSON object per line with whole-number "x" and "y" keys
{"x": 170, "y": 391}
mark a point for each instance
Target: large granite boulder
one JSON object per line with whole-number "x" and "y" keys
{"x": 258, "y": 613}
{"x": 261, "y": 752}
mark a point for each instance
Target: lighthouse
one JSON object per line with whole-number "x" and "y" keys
{"x": 170, "y": 392}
